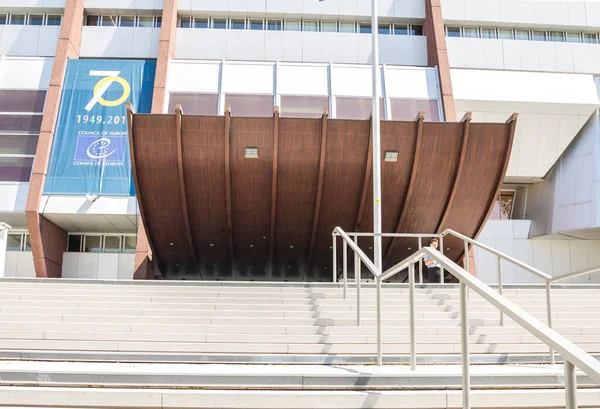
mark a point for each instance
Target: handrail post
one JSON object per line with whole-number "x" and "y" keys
{"x": 379, "y": 357}
{"x": 357, "y": 279}
{"x": 442, "y": 274}
{"x": 411, "y": 315}
{"x": 420, "y": 262}
{"x": 500, "y": 287}
{"x": 466, "y": 263}
{"x": 334, "y": 259}
{"x": 345, "y": 266}
{"x": 464, "y": 341}
{"x": 570, "y": 385}
{"x": 549, "y": 316}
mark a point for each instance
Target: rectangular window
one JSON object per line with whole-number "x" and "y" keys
{"x": 112, "y": 244}
{"x": 573, "y": 38}
{"x": 416, "y": 30}
{"x": 27, "y": 243}
{"x": 453, "y": 31}
{"x": 195, "y": 104}
{"x": 471, "y": 32}
{"x": 14, "y": 242}
{"x": 257, "y": 25}
{"x": 21, "y": 123}
{"x": 540, "y": 35}
{"x": 355, "y": 108}
{"x": 15, "y": 169}
{"x": 129, "y": 244}
{"x": 557, "y": 36}
{"x": 200, "y": 23}
{"x": 590, "y": 38}
{"x": 311, "y": 26}
{"x": 55, "y": 20}
{"x": 184, "y": 22}
{"x": 407, "y": 109}
{"x": 146, "y": 21}
{"x": 346, "y": 27}
{"x": 36, "y": 19}
{"x": 17, "y": 19}
{"x": 158, "y": 22}
{"x": 18, "y": 144}
{"x": 488, "y": 32}
{"x": 127, "y": 21}
{"x": 274, "y": 25}
{"x": 522, "y": 35}
{"x": 109, "y": 21}
{"x": 3, "y": 19}
{"x": 22, "y": 101}
{"x": 92, "y": 20}
{"x": 364, "y": 28}
{"x": 250, "y": 105}
{"x": 292, "y": 26}
{"x": 219, "y": 23}
{"x": 237, "y": 24}
{"x": 401, "y": 29}
{"x": 92, "y": 244}
{"x": 75, "y": 243}
{"x": 505, "y": 33}
{"x": 303, "y": 106}
{"x": 384, "y": 29}
{"x": 329, "y": 26}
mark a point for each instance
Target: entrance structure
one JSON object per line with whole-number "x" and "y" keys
{"x": 226, "y": 197}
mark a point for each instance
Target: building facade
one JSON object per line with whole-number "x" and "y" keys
{"x": 540, "y": 59}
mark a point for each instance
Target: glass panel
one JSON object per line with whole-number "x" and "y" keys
{"x": 237, "y": 24}
{"x": 112, "y": 244}
{"x": 557, "y": 36}
{"x": 590, "y": 38}
{"x": 355, "y": 108}
{"x": 13, "y": 242}
{"x": 573, "y": 38}
{"x": 303, "y": 106}
{"x": 505, "y": 33}
{"x": 92, "y": 244}
{"x": 401, "y": 29}
{"x": 109, "y": 21}
{"x": 470, "y": 32}
{"x": 74, "y": 245}
{"x": 158, "y": 22}
{"x": 346, "y": 27}
{"x": 22, "y": 101}
{"x": 27, "y": 243}
{"x": 21, "y": 123}
{"x": 364, "y": 28}
{"x": 36, "y": 19}
{"x": 540, "y": 36}
{"x": 17, "y": 19}
{"x": 127, "y": 21}
{"x": 384, "y": 29}
{"x": 408, "y": 109}
{"x": 146, "y": 21}
{"x": 416, "y": 30}
{"x": 329, "y": 26}
{"x": 18, "y": 144}
{"x": 522, "y": 35}
{"x": 311, "y": 26}
{"x": 219, "y": 23}
{"x": 255, "y": 25}
{"x": 3, "y": 19}
{"x": 15, "y": 169}
{"x": 195, "y": 104}
{"x": 92, "y": 20}
{"x": 453, "y": 31}
{"x": 488, "y": 33}
{"x": 274, "y": 25}
{"x": 129, "y": 244}
{"x": 53, "y": 20}
{"x": 200, "y": 23}
{"x": 184, "y": 22}
{"x": 250, "y": 105}
{"x": 292, "y": 26}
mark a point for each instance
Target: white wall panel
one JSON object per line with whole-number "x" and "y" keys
{"x": 236, "y": 78}
{"x": 10, "y": 264}
{"x": 126, "y": 266}
{"x": 13, "y": 196}
{"x": 30, "y": 41}
{"x": 139, "y": 6}
{"x": 119, "y": 42}
{"x": 524, "y": 253}
{"x": 352, "y": 81}
{"x": 87, "y": 265}
{"x": 26, "y": 5}
{"x": 418, "y": 83}
{"x": 108, "y": 266}
{"x": 19, "y": 264}
{"x": 193, "y": 76}
{"x": 25, "y": 73}
{"x": 98, "y": 266}
{"x": 303, "y": 79}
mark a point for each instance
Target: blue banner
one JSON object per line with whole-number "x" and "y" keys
{"x": 90, "y": 152}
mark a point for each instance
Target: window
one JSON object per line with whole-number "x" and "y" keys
{"x": 184, "y": 22}
{"x": 522, "y": 35}
{"x": 14, "y": 242}
{"x": 75, "y": 243}
{"x": 3, "y": 19}
{"x": 329, "y": 26}
{"x": 127, "y": 21}
{"x": 92, "y": 244}
{"x": 573, "y": 38}
{"x": 590, "y": 38}
{"x": 384, "y": 29}
{"x": 54, "y": 20}
{"x": 256, "y": 25}
{"x": 27, "y": 246}
{"x": 503, "y": 208}
{"x": 158, "y": 22}
{"x": 15, "y": 169}
{"x": 488, "y": 32}
{"x": 470, "y": 32}
{"x": 237, "y": 24}
{"x": 407, "y": 109}
{"x": 292, "y": 26}
{"x": 17, "y": 19}
{"x": 36, "y": 19}
{"x": 364, "y": 28}
{"x": 453, "y": 31}
{"x": 505, "y": 34}
{"x": 129, "y": 244}
{"x": 219, "y": 23}
{"x": 355, "y": 108}
{"x": 346, "y": 27}
{"x": 95, "y": 243}
{"x": 200, "y": 23}
{"x": 19, "y": 144}
{"x": 303, "y": 106}
{"x": 416, "y": 30}
{"x": 557, "y": 36}
{"x": 274, "y": 25}
{"x": 109, "y": 21}
{"x": 92, "y": 20}
{"x": 401, "y": 29}
{"x": 540, "y": 36}
{"x": 311, "y": 26}
{"x": 145, "y": 21}
{"x": 112, "y": 244}
{"x": 195, "y": 104}
{"x": 250, "y": 105}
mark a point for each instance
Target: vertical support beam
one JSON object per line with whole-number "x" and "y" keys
{"x": 313, "y": 234}
{"x": 500, "y": 287}
{"x": 344, "y": 266}
{"x": 420, "y": 262}
{"x": 379, "y": 352}
{"x": 549, "y": 316}
{"x": 227, "y": 159}
{"x": 368, "y": 175}
{"x": 411, "y": 315}
{"x": 334, "y": 260}
{"x": 4, "y": 228}
{"x": 464, "y": 343}
{"x": 49, "y": 241}
{"x": 274, "y": 188}
{"x": 357, "y": 276}
{"x": 570, "y": 385}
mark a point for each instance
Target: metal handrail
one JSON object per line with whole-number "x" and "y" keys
{"x": 589, "y": 270}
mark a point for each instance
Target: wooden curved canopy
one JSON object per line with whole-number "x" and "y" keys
{"x": 210, "y": 210}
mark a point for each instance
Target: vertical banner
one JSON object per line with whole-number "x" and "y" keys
{"x": 90, "y": 152}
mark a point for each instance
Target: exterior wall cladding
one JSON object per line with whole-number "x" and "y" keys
{"x": 550, "y": 84}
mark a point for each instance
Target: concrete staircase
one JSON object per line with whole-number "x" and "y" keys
{"x": 147, "y": 338}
